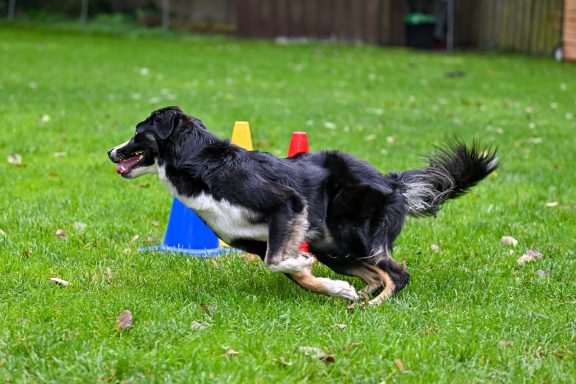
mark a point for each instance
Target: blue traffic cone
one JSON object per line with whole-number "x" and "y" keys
{"x": 187, "y": 233}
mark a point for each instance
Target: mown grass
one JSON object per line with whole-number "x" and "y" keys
{"x": 470, "y": 314}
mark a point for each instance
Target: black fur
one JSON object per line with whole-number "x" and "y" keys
{"x": 352, "y": 211}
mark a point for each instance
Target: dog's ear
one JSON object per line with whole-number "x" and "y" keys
{"x": 167, "y": 120}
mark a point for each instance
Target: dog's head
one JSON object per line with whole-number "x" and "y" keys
{"x": 139, "y": 155}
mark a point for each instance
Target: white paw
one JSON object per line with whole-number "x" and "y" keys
{"x": 340, "y": 288}
{"x": 293, "y": 264}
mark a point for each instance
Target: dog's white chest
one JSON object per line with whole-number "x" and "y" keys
{"x": 230, "y": 222}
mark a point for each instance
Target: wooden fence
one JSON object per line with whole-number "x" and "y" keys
{"x": 530, "y": 26}
{"x": 346, "y": 20}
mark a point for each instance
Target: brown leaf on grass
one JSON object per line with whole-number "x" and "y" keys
{"x": 62, "y": 234}
{"x": 197, "y": 326}
{"x": 340, "y": 326}
{"x": 26, "y": 252}
{"x": 351, "y": 306}
{"x": 14, "y": 159}
{"x": 400, "y": 365}
{"x": 329, "y": 358}
{"x": 209, "y": 309}
{"x": 52, "y": 174}
{"x": 109, "y": 275}
{"x": 508, "y": 240}
{"x": 231, "y": 352}
{"x": 124, "y": 320}
{"x": 530, "y": 255}
{"x": 318, "y": 354}
{"x": 59, "y": 281}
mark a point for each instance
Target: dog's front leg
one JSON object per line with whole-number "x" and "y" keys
{"x": 287, "y": 230}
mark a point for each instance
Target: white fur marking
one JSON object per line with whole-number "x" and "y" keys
{"x": 227, "y": 220}
{"x": 143, "y": 170}
{"x": 339, "y": 288}
{"x": 292, "y": 264}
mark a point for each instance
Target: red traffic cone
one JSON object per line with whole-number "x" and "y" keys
{"x": 298, "y": 144}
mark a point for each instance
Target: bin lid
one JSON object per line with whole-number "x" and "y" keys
{"x": 419, "y": 18}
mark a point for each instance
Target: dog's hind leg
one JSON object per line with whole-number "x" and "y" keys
{"x": 324, "y": 285}
{"x": 380, "y": 272}
{"x": 392, "y": 275}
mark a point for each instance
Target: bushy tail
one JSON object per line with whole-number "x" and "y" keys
{"x": 451, "y": 172}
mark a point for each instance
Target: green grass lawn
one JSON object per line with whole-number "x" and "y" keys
{"x": 470, "y": 313}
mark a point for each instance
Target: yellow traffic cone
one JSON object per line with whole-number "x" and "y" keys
{"x": 241, "y": 137}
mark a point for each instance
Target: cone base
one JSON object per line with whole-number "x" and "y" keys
{"x": 220, "y": 251}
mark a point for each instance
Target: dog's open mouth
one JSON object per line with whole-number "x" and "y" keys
{"x": 126, "y": 165}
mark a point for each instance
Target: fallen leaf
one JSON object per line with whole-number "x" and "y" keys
{"x": 435, "y": 248}
{"x": 508, "y": 240}
{"x": 329, "y": 125}
{"x": 318, "y": 354}
{"x": 370, "y": 137}
{"x": 530, "y": 255}
{"x": 109, "y": 274}
{"x": 312, "y": 351}
{"x": 329, "y": 358}
{"x": 135, "y": 238}
{"x": 155, "y": 223}
{"x": 14, "y": 158}
{"x": 52, "y": 174}
{"x": 62, "y": 234}
{"x": 340, "y": 326}
{"x": 26, "y": 252}
{"x": 231, "y": 352}
{"x": 209, "y": 309}
{"x": 197, "y": 326}
{"x": 58, "y": 280}
{"x": 283, "y": 362}
{"x": 124, "y": 321}
{"x": 351, "y": 307}
{"x": 400, "y": 365}
{"x": 505, "y": 343}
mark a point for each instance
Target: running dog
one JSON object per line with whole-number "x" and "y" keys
{"x": 326, "y": 205}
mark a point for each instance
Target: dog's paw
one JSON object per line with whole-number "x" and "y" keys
{"x": 340, "y": 288}
{"x": 293, "y": 264}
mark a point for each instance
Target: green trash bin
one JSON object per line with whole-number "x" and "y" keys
{"x": 420, "y": 30}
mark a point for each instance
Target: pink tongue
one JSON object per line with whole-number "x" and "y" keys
{"x": 126, "y": 165}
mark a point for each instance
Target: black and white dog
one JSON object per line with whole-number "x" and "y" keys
{"x": 348, "y": 212}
